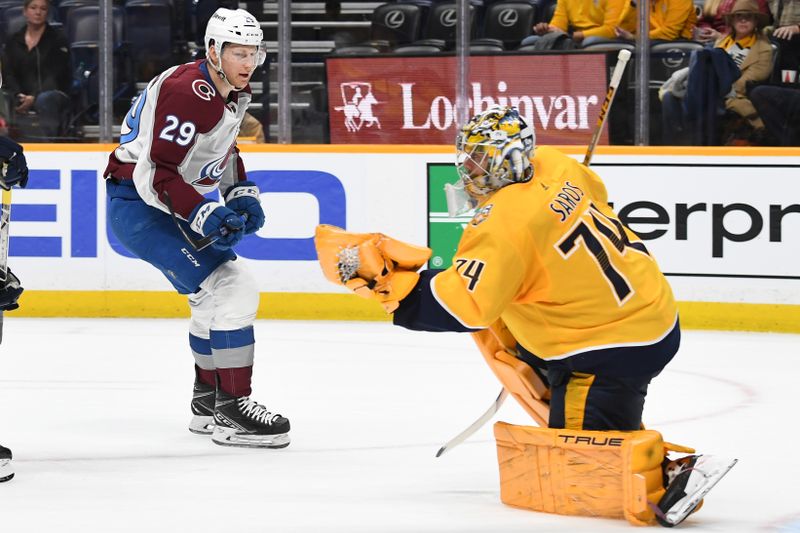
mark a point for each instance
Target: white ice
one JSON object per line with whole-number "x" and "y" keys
{"x": 96, "y": 412}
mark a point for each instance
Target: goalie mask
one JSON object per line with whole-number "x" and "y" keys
{"x": 493, "y": 150}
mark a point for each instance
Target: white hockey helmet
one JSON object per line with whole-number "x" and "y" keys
{"x": 237, "y": 27}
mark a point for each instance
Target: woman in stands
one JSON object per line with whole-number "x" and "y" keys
{"x": 37, "y": 73}
{"x": 737, "y": 60}
{"x": 712, "y": 25}
{"x": 750, "y": 50}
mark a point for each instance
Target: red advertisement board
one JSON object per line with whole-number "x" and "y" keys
{"x": 411, "y": 100}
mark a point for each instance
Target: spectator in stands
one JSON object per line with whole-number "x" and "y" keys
{"x": 787, "y": 18}
{"x": 752, "y": 53}
{"x": 252, "y": 129}
{"x": 36, "y": 68}
{"x": 583, "y": 20}
{"x": 786, "y": 35}
{"x": 669, "y": 20}
{"x": 711, "y": 25}
{"x": 779, "y": 108}
{"x": 742, "y": 57}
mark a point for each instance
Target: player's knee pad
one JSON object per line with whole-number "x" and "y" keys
{"x": 201, "y": 306}
{"x": 612, "y": 474}
{"x": 235, "y": 294}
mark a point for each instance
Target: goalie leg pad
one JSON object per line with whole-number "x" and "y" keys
{"x": 611, "y": 474}
{"x": 517, "y": 377}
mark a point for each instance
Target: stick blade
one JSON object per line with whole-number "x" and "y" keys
{"x": 475, "y": 426}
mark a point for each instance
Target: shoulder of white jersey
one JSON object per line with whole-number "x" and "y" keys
{"x": 190, "y": 82}
{"x": 187, "y": 94}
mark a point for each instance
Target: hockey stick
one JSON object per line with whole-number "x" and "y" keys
{"x": 198, "y": 244}
{"x": 5, "y": 223}
{"x": 616, "y": 77}
{"x": 467, "y": 433}
{"x": 5, "y": 226}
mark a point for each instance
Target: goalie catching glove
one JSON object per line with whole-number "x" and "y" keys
{"x": 370, "y": 264}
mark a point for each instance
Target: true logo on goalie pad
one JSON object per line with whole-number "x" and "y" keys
{"x": 591, "y": 441}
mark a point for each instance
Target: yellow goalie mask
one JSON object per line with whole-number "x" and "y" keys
{"x": 493, "y": 150}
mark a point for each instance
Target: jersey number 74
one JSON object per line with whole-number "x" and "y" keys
{"x": 602, "y": 229}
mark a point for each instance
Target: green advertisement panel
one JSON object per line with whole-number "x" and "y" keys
{"x": 443, "y": 232}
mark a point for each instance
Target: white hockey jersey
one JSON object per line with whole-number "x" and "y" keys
{"x": 179, "y": 137}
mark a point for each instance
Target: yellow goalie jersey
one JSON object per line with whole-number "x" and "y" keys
{"x": 551, "y": 258}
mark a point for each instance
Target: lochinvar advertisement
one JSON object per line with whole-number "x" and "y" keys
{"x": 411, "y": 100}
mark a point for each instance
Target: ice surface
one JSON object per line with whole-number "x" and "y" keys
{"x": 96, "y": 413}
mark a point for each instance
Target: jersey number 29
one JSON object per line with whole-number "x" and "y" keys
{"x": 186, "y": 131}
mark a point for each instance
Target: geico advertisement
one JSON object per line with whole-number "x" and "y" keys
{"x": 60, "y": 239}
{"x": 722, "y": 231}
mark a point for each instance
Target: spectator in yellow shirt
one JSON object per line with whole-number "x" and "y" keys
{"x": 670, "y": 20}
{"x": 581, "y": 20}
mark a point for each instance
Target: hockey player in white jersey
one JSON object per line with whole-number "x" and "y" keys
{"x": 178, "y": 144}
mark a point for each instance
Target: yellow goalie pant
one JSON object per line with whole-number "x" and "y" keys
{"x": 612, "y": 474}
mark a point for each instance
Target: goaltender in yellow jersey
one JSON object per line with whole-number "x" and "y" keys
{"x": 552, "y": 260}
{"x": 570, "y": 311}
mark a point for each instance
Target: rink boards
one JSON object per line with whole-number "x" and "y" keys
{"x": 724, "y": 225}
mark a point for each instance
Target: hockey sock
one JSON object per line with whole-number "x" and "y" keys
{"x": 206, "y": 376}
{"x": 203, "y": 359}
{"x": 233, "y": 357}
{"x": 235, "y": 381}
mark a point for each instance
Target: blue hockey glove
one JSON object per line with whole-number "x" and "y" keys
{"x": 244, "y": 199}
{"x": 213, "y": 218}
{"x": 13, "y": 167}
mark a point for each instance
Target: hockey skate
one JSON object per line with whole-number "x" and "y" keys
{"x": 689, "y": 479}
{"x": 203, "y": 398}
{"x": 6, "y": 470}
{"x": 245, "y": 423}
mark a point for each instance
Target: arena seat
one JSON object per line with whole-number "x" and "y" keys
{"x": 667, "y": 57}
{"x": 508, "y": 22}
{"x": 393, "y": 24}
{"x": 440, "y": 29}
{"x": 11, "y": 20}
{"x": 148, "y": 32}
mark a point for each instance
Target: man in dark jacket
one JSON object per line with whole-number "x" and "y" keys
{"x": 36, "y": 68}
{"x": 779, "y": 108}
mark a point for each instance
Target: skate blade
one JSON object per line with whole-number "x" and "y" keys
{"x": 6, "y": 472}
{"x": 675, "y": 517}
{"x": 225, "y": 438}
{"x": 202, "y": 425}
